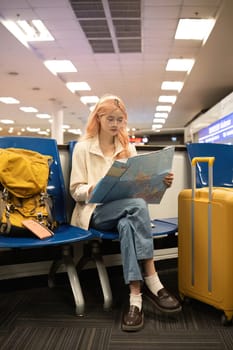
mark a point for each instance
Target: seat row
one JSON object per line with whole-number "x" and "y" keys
{"x": 66, "y": 235}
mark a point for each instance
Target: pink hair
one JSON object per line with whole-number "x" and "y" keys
{"x": 106, "y": 105}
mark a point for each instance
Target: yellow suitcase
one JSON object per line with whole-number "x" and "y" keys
{"x": 205, "y": 243}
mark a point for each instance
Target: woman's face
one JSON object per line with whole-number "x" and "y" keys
{"x": 112, "y": 123}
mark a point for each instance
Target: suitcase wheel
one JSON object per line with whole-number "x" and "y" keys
{"x": 184, "y": 299}
{"x": 181, "y": 295}
{"x": 226, "y": 321}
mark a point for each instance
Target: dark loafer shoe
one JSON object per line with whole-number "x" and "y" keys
{"x": 132, "y": 320}
{"x": 164, "y": 301}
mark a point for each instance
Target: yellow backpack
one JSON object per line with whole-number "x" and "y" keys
{"x": 24, "y": 177}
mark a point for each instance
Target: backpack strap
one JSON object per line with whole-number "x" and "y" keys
{"x": 4, "y": 208}
{"x": 2, "y": 204}
{"x": 47, "y": 202}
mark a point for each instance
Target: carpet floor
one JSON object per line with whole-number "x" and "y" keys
{"x": 35, "y": 317}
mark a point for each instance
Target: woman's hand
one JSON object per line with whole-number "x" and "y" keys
{"x": 168, "y": 179}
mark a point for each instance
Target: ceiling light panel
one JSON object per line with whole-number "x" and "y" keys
{"x": 43, "y": 132}
{"x": 159, "y": 120}
{"x": 7, "y": 121}
{"x": 30, "y": 129}
{"x": 180, "y": 64}
{"x": 169, "y": 99}
{"x": 35, "y": 30}
{"x": 172, "y": 85}
{"x": 75, "y": 131}
{"x": 89, "y": 99}
{"x": 78, "y": 86}
{"x": 157, "y": 126}
{"x": 161, "y": 115}
{"x": 9, "y": 100}
{"x": 43, "y": 116}
{"x": 164, "y": 108}
{"x": 194, "y": 29}
{"x": 28, "y": 109}
{"x": 16, "y": 31}
{"x": 60, "y": 66}
{"x": 65, "y": 126}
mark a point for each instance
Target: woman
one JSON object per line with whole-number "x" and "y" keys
{"x": 105, "y": 140}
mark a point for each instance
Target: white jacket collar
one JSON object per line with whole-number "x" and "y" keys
{"x": 95, "y": 146}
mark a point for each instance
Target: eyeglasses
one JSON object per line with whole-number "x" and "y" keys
{"x": 113, "y": 120}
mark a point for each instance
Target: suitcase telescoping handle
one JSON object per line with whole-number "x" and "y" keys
{"x": 210, "y": 161}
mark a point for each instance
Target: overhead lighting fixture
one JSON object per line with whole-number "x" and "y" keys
{"x": 10, "y": 130}
{"x": 60, "y": 66}
{"x": 89, "y": 99}
{"x": 9, "y": 100}
{"x": 157, "y": 126}
{"x": 65, "y": 126}
{"x": 164, "y": 108}
{"x": 43, "y": 116}
{"x": 78, "y": 86}
{"x": 7, "y": 121}
{"x": 169, "y": 99}
{"x": 75, "y": 131}
{"x": 43, "y": 132}
{"x": 159, "y": 120}
{"x": 16, "y": 31}
{"x": 26, "y": 31}
{"x": 32, "y": 129}
{"x": 172, "y": 85}
{"x": 161, "y": 115}
{"x": 28, "y": 109}
{"x": 35, "y": 30}
{"x": 180, "y": 64}
{"x": 194, "y": 29}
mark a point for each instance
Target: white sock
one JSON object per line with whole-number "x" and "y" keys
{"x": 136, "y": 300}
{"x": 153, "y": 283}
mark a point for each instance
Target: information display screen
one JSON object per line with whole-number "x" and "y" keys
{"x": 220, "y": 131}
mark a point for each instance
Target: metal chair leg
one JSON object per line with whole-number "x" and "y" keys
{"x": 92, "y": 252}
{"x": 74, "y": 280}
{"x": 68, "y": 263}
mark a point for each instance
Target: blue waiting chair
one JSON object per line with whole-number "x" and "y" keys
{"x": 65, "y": 234}
{"x": 223, "y": 164}
{"x": 92, "y": 249}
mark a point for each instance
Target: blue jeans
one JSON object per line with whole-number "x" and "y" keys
{"x": 130, "y": 217}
